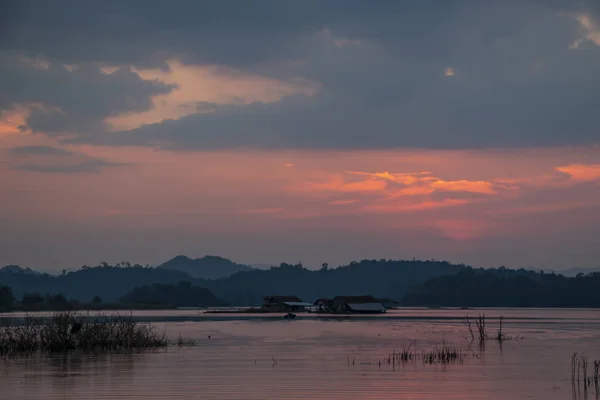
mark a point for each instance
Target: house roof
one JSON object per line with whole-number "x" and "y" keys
{"x": 321, "y": 301}
{"x": 356, "y": 299}
{"x": 366, "y": 307}
{"x": 297, "y": 304}
{"x": 284, "y": 299}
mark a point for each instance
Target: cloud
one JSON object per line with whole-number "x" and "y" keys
{"x": 581, "y": 172}
{"x": 90, "y": 166}
{"x": 339, "y": 185}
{"x": 50, "y": 159}
{"x": 591, "y": 31}
{"x": 311, "y": 75}
{"x": 343, "y": 202}
{"x": 40, "y": 150}
{"x": 402, "y": 207}
{"x": 267, "y": 210}
{"x": 198, "y": 85}
{"x": 71, "y": 100}
{"x": 481, "y": 187}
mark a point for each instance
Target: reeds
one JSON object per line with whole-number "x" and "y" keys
{"x": 65, "y": 331}
{"x": 480, "y": 332}
{"x": 444, "y": 354}
{"x": 579, "y": 373}
{"x": 181, "y": 342}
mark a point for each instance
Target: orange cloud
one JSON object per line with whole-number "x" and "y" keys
{"x": 262, "y": 211}
{"x": 12, "y": 120}
{"x": 481, "y": 187}
{"x": 581, "y": 172}
{"x": 339, "y": 185}
{"x": 342, "y": 202}
{"x": 197, "y": 85}
{"x": 429, "y": 183}
{"x": 460, "y": 229}
{"x": 404, "y": 178}
{"x": 591, "y": 28}
{"x": 413, "y": 191}
{"x": 421, "y": 206}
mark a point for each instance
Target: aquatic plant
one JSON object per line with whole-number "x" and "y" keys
{"x": 67, "y": 330}
{"x": 579, "y": 373}
{"x": 181, "y": 342}
{"x": 482, "y": 333}
{"x": 444, "y": 354}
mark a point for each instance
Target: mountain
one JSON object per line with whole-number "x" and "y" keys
{"x": 208, "y": 267}
{"x": 182, "y": 294}
{"x": 506, "y": 288}
{"x": 108, "y": 282}
{"x": 571, "y": 272}
{"x": 382, "y": 279}
{"x": 15, "y": 269}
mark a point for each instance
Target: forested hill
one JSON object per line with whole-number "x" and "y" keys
{"x": 207, "y": 267}
{"x": 507, "y": 288}
{"x": 107, "y": 282}
{"x": 383, "y": 278}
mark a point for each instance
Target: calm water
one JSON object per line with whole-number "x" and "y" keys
{"x": 249, "y": 357}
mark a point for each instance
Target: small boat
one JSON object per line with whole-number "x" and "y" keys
{"x": 289, "y": 316}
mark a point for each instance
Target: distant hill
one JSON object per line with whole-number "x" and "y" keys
{"x": 574, "y": 271}
{"x": 182, "y": 294}
{"x": 506, "y": 288}
{"x": 208, "y": 267}
{"x": 382, "y": 279}
{"x": 108, "y": 282}
{"x": 15, "y": 269}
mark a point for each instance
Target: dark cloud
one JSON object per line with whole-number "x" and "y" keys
{"x": 40, "y": 151}
{"x": 237, "y": 32}
{"x": 49, "y": 159}
{"x": 515, "y": 80}
{"x": 89, "y": 166}
{"x": 75, "y": 99}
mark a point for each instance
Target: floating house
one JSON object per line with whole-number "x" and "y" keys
{"x": 322, "y": 305}
{"x": 355, "y": 305}
{"x": 284, "y": 304}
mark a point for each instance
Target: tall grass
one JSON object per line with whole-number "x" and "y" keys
{"x": 444, "y": 354}
{"x": 65, "y": 331}
{"x": 480, "y": 331}
{"x": 579, "y": 373}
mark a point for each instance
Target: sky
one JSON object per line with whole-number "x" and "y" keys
{"x": 308, "y": 131}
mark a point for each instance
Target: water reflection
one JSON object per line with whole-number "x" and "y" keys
{"x": 319, "y": 359}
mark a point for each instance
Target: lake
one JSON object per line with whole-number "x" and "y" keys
{"x": 239, "y": 356}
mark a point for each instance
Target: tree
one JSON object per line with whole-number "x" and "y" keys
{"x": 7, "y": 299}
{"x": 57, "y": 302}
{"x": 32, "y": 299}
{"x": 97, "y": 300}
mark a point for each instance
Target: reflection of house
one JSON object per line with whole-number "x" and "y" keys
{"x": 284, "y": 304}
{"x": 356, "y": 305}
{"x": 388, "y": 303}
{"x": 322, "y": 305}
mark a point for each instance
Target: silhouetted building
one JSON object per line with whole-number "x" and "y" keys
{"x": 356, "y": 305}
{"x": 322, "y": 305}
{"x": 284, "y": 304}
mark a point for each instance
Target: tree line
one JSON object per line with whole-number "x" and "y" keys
{"x": 507, "y": 288}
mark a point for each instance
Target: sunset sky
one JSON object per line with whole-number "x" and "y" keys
{"x": 313, "y": 131}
